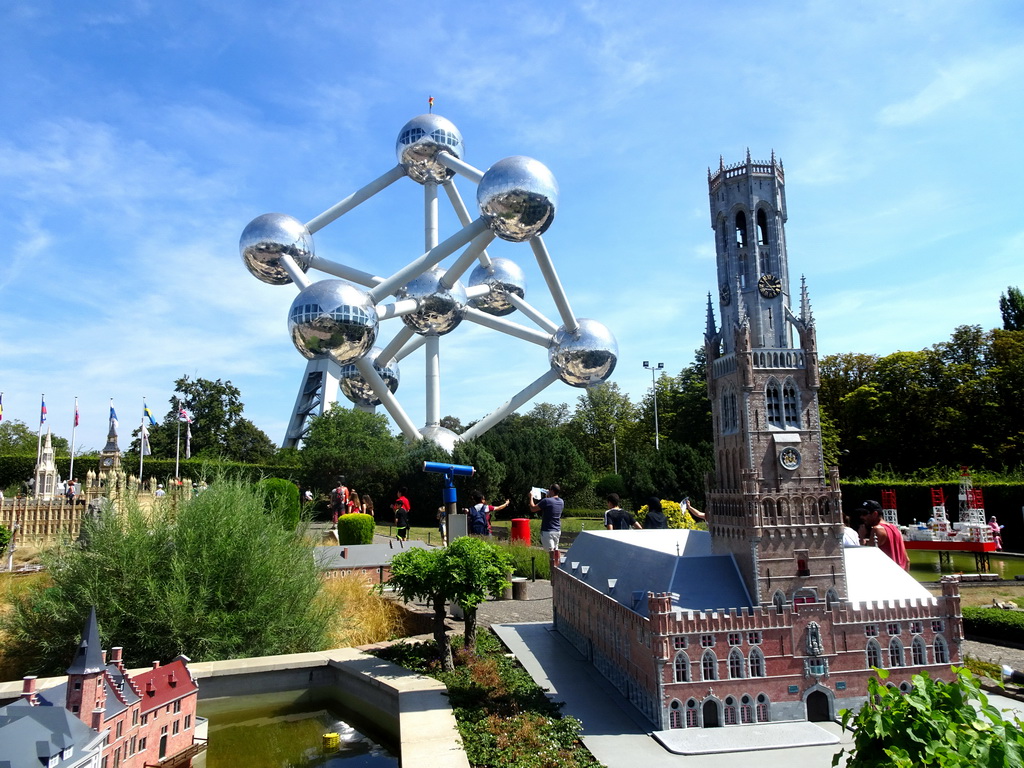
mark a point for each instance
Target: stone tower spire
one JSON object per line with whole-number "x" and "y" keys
{"x": 86, "y": 692}
{"x": 45, "y": 483}
{"x": 772, "y": 503}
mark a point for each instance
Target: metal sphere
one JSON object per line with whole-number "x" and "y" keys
{"x": 358, "y": 390}
{"x": 440, "y": 308}
{"x": 420, "y": 141}
{"x": 335, "y": 318}
{"x": 584, "y": 358}
{"x": 266, "y": 238}
{"x": 518, "y": 196}
{"x": 440, "y": 435}
{"x": 503, "y": 277}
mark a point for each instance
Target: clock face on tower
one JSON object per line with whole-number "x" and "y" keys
{"x": 725, "y": 294}
{"x": 769, "y": 285}
{"x": 789, "y": 458}
{"x": 108, "y": 461}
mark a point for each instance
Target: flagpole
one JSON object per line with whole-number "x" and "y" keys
{"x": 74, "y": 427}
{"x": 142, "y": 439}
{"x": 177, "y": 447}
{"x": 39, "y": 441}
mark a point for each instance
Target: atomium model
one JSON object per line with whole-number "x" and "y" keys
{"x": 336, "y": 323}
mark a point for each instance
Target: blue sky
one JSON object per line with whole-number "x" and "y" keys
{"x": 139, "y": 138}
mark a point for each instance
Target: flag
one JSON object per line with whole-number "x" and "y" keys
{"x": 146, "y": 451}
{"x": 113, "y": 418}
{"x": 76, "y": 411}
{"x": 188, "y": 438}
{"x": 42, "y": 411}
{"x": 430, "y": 102}
{"x": 1, "y": 406}
{"x": 183, "y": 415}
{"x": 148, "y": 413}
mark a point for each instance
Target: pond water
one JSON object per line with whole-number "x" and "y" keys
{"x": 924, "y": 566}
{"x": 287, "y": 734}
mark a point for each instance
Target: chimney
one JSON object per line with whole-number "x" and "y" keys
{"x": 115, "y": 654}
{"x": 28, "y": 689}
{"x": 97, "y": 719}
{"x": 344, "y": 553}
{"x": 103, "y": 655}
{"x": 156, "y": 664}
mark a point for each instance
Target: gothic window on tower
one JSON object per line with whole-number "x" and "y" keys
{"x": 762, "y": 228}
{"x": 791, "y": 404}
{"x": 773, "y": 403}
{"x": 874, "y": 654}
{"x": 741, "y": 229}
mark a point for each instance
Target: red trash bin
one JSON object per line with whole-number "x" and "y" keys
{"x": 520, "y": 530}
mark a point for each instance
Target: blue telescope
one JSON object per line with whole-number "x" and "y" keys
{"x": 449, "y": 471}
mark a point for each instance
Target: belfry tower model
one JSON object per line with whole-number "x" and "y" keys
{"x": 772, "y": 503}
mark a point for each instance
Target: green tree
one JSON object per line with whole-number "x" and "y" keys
{"x": 934, "y": 723}
{"x": 1011, "y": 306}
{"x": 489, "y": 474}
{"x": 466, "y": 573}
{"x": 602, "y": 415}
{"x": 17, "y": 438}
{"x": 282, "y": 500}
{"x": 354, "y": 444}
{"x": 220, "y": 579}
{"x": 219, "y": 431}
{"x": 5, "y": 539}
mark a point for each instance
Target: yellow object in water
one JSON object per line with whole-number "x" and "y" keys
{"x": 331, "y": 741}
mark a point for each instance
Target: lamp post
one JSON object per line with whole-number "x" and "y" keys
{"x": 654, "y": 389}
{"x": 615, "y": 450}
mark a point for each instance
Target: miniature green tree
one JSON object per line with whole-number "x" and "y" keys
{"x": 356, "y": 528}
{"x": 935, "y": 723}
{"x": 465, "y": 573}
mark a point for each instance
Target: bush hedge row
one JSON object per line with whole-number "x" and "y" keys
{"x": 356, "y": 528}
{"x": 994, "y": 623}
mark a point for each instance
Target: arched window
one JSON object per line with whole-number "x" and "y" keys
{"x": 746, "y": 709}
{"x": 709, "y": 665}
{"x": 874, "y": 654}
{"x": 691, "y": 713}
{"x": 762, "y": 228}
{"x": 940, "y": 650}
{"x": 895, "y": 653}
{"x": 731, "y": 711}
{"x": 831, "y": 599}
{"x": 773, "y": 403}
{"x": 779, "y": 600}
{"x": 741, "y": 229}
{"x": 919, "y": 652}
{"x": 905, "y": 687}
{"x": 762, "y": 708}
{"x": 675, "y": 714}
{"x": 736, "y": 663}
{"x": 682, "y": 668}
{"x": 790, "y": 404}
{"x": 756, "y": 663}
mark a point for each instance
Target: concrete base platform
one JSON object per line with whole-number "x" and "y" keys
{"x": 743, "y": 738}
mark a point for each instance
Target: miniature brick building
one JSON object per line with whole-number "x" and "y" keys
{"x": 127, "y": 721}
{"x": 766, "y": 616}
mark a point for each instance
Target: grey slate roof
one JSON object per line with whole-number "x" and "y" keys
{"x": 30, "y": 736}
{"x": 362, "y": 555}
{"x": 645, "y": 561}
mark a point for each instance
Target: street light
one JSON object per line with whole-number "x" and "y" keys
{"x": 654, "y": 389}
{"x": 615, "y": 450}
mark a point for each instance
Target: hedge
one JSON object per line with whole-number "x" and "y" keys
{"x": 994, "y": 623}
{"x": 355, "y": 528}
{"x": 282, "y": 500}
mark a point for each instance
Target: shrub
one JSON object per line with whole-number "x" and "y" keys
{"x": 5, "y": 539}
{"x": 674, "y": 514}
{"x": 356, "y": 528}
{"x": 935, "y": 723}
{"x": 220, "y": 580}
{"x": 528, "y": 561}
{"x": 994, "y": 623}
{"x": 282, "y": 501}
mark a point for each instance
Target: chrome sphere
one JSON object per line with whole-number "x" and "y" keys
{"x": 440, "y": 435}
{"x": 440, "y": 308}
{"x": 584, "y": 358}
{"x": 269, "y": 236}
{"x": 503, "y": 277}
{"x": 420, "y": 141}
{"x": 357, "y": 389}
{"x": 335, "y": 318}
{"x": 518, "y": 196}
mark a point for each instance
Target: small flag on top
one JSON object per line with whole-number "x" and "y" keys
{"x": 430, "y": 103}
{"x": 183, "y": 416}
{"x": 42, "y": 411}
{"x": 1, "y": 406}
{"x": 146, "y": 451}
{"x": 113, "y": 418}
{"x": 76, "y": 411}
{"x": 148, "y": 413}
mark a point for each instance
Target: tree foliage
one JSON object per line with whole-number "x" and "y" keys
{"x": 934, "y": 723}
{"x": 1011, "y": 306}
{"x": 17, "y": 438}
{"x": 219, "y": 580}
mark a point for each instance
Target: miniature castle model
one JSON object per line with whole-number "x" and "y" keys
{"x": 104, "y": 716}
{"x": 764, "y": 617}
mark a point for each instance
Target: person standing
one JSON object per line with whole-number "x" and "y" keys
{"x": 616, "y": 518}
{"x": 480, "y": 515}
{"x": 401, "y": 508}
{"x": 339, "y": 500}
{"x": 367, "y": 505}
{"x": 875, "y": 532}
{"x": 655, "y": 516}
{"x": 550, "y": 509}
